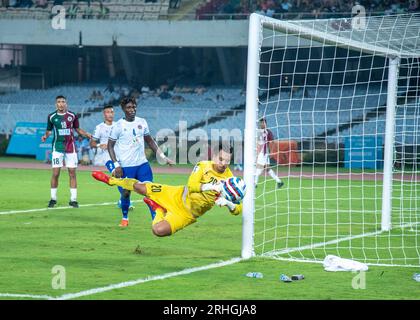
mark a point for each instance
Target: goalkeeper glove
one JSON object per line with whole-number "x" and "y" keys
{"x": 211, "y": 187}
{"x": 221, "y": 202}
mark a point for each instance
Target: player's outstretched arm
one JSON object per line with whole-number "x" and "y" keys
{"x": 93, "y": 143}
{"x": 159, "y": 153}
{"x": 84, "y": 133}
{"x": 211, "y": 187}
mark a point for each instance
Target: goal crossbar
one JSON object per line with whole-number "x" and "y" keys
{"x": 352, "y": 39}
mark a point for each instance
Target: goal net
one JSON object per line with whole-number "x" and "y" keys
{"x": 342, "y": 100}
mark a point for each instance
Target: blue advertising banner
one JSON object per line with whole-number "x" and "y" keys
{"x": 26, "y": 140}
{"x": 362, "y": 152}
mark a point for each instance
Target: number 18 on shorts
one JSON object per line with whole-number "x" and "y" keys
{"x": 58, "y": 158}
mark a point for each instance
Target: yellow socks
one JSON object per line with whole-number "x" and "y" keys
{"x": 126, "y": 183}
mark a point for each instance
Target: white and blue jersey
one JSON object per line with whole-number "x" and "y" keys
{"x": 129, "y": 137}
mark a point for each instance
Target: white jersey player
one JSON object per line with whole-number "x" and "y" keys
{"x": 129, "y": 136}
{"x": 101, "y": 135}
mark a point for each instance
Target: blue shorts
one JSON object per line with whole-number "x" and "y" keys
{"x": 143, "y": 173}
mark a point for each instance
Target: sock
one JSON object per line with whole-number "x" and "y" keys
{"x": 73, "y": 194}
{"x": 274, "y": 176}
{"x": 257, "y": 174}
{"x": 126, "y": 183}
{"x": 54, "y": 193}
{"x": 125, "y": 205}
{"x": 159, "y": 216}
{"x": 119, "y": 201}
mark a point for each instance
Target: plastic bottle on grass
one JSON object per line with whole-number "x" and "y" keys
{"x": 257, "y": 275}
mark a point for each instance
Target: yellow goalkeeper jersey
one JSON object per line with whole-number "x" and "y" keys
{"x": 198, "y": 202}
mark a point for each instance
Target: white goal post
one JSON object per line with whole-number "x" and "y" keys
{"x": 340, "y": 89}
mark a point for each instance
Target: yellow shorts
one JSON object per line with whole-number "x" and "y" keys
{"x": 170, "y": 198}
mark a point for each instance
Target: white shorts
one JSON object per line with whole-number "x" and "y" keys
{"x": 263, "y": 159}
{"x": 69, "y": 158}
{"x": 101, "y": 158}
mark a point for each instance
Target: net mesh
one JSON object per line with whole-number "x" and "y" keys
{"x": 325, "y": 103}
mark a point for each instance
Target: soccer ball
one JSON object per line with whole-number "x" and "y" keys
{"x": 233, "y": 189}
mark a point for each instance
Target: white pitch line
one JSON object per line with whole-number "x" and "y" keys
{"x": 110, "y": 287}
{"x": 143, "y": 280}
{"x": 60, "y": 208}
{"x": 15, "y": 295}
{"x": 368, "y": 263}
{"x": 322, "y": 244}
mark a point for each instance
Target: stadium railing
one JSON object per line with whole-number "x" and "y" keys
{"x": 121, "y": 10}
{"x": 115, "y": 10}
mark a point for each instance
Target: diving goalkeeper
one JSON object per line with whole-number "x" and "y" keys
{"x": 179, "y": 206}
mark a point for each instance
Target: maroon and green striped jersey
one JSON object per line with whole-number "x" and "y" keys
{"x": 63, "y": 125}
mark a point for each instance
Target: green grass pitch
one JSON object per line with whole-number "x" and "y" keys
{"x": 96, "y": 253}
